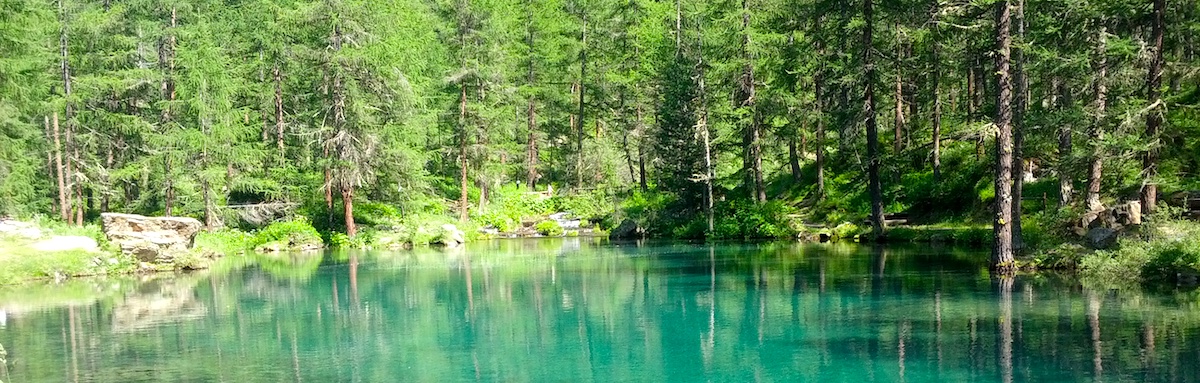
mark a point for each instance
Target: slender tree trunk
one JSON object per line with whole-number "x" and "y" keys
{"x": 708, "y": 163}
{"x": 167, "y": 55}
{"x": 348, "y": 210}
{"x": 79, "y": 206}
{"x": 463, "y": 199}
{"x": 793, "y": 153}
{"x": 641, "y": 151}
{"x": 1002, "y": 252}
{"x": 1066, "y": 187}
{"x": 876, "y": 189}
{"x": 794, "y": 159}
{"x": 109, "y": 162}
{"x": 898, "y": 139}
{"x": 937, "y": 102}
{"x": 531, "y": 151}
{"x": 1022, "y": 105}
{"x": 277, "y": 75}
{"x": 1154, "y": 118}
{"x": 1096, "y": 168}
{"x": 819, "y": 97}
{"x": 63, "y": 205}
{"x": 69, "y": 178}
{"x": 746, "y": 99}
{"x": 582, "y": 90}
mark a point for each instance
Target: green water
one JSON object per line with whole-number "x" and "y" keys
{"x": 580, "y": 310}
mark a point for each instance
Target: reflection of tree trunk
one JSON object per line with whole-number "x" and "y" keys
{"x": 937, "y": 316}
{"x": 1093, "y": 306}
{"x": 1148, "y": 352}
{"x": 71, "y": 318}
{"x": 295, "y": 358}
{"x": 354, "y": 280}
{"x": 1006, "y": 329}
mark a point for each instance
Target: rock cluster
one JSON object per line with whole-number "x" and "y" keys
{"x": 1101, "y": 227}
{"x": 151, "y": 239}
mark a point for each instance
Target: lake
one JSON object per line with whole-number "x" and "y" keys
{"x": 587, "y": 310}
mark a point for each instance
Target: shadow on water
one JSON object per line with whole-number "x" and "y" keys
{"x": 583, "y": 309}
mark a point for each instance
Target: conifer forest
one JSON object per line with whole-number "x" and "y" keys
{"x": 698, "y": 119}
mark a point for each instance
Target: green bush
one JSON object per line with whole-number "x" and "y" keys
{"x": 549, "y": 228}
{"x": 745, "y": 219}
{"x": 225, "y": 242}
{"x": 297, "y": 232}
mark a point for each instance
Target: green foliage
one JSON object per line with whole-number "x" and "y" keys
{"x": 1168, "y": 251}
{"x": 741, "y": 219}
{"x": 289, "y": 234}
{"x": 227, "y": 242}
{"x": 549, "y": 228}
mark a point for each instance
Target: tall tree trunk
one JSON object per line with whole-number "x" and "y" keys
{"x": 794, "y": 159}
{"x": 345, "y": 182}
{"x": 277, "y": 75}
{"x": 348, "y": 210}
{"x": 463, "y": 199}
{"x": 1100, "y": 87}
{"x": 65, "y": 68}
{"x": 876, "y": 189}
{"x": 109, "y": 162}
{"x": 708, "y": 163}
{"x": 1154, "y": 118}
{"x": 531, "y": 151}
{"x": 63, "y": 205}
{"x": 746, "y": 99}
{"x": 819, "y": 104}
{"x": 937, "y": 101}
{"x": 167, "y": 56}
{"x": 1002, "y": 251}
{"x": 793, "y": 153}
{"x": 641, "y": 151}
{"x": 898, "y": 139}
{"x": 1022, "y": 104}
{"x": 582, "y": 90}
{"x": 1066, "y": 187}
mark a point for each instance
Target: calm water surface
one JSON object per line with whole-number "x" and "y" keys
{"x": 581, "y": 310}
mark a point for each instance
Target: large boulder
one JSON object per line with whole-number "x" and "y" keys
{"x": 1116, "y": 218}
{"x": 1102, "y": 238}
{"x": 19, "y": 229}
{"x": 628, "y": 229}
{"x": 451, "y": 236}
{"x": 151, "y": 239}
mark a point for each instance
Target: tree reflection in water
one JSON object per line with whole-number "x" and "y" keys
{"x": 596, "y": 311}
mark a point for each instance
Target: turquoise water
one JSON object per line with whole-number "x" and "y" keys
{"x": 580, "y": 310}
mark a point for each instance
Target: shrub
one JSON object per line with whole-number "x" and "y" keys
{"x": 549, "y": 228}
{"x": 225, "y": 242}
{"x": 291, "y": 233}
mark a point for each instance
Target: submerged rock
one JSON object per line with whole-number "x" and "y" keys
{"x": 151, "y": 239}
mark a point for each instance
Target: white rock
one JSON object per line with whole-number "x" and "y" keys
{"x": 60, "y": 243}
